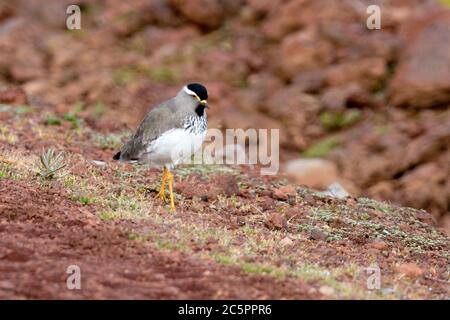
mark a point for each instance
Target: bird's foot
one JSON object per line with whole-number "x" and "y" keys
{"x": 162, "y": 195}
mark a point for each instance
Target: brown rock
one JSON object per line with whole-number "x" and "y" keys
{"x": 425, "y": 217}
{"x": 275, "y": 221}
{"x": 317, "y": 234}
{"x": 140, "y": 14}
{"x": 410, "y": 270}
{"x": 327, "y": 290}
{"x": 208, "y": 13}
{"x": 227, "y": 184}
{"x": 197, "y": 186}
{"x": 284, "y": 192}
{"x": 13, "y": 95}
{"x": 315, "y": 173}
{"x": 422, "y": 77}
{"x": 154, "y": 37}
{"x": 337, "y": 98}
{"x": 303, "y": 51}
{"x": 366, "y": 72}
{"x": 294, "y": 109}
{"x": 286, "y": 242}
{"x": 293, "y": 212}
{"x": 292, "y": 15}
{"x": 380, "y": 245}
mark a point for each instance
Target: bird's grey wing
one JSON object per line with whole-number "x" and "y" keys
{"x": 156, "y": 122}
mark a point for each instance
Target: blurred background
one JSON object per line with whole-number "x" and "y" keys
{"x": 366, "y": 108}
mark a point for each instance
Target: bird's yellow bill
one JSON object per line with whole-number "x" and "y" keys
{"x": 203, "y": 102}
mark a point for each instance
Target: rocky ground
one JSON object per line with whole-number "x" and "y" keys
{"x": 355, "y": 97}
{"x": 368, "y": 107}
{"x": 235, "y": 235}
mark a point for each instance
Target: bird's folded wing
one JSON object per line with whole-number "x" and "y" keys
{"x": 161, "y": 119}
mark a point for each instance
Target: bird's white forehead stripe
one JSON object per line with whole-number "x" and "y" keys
{"x": 190, "y": 92}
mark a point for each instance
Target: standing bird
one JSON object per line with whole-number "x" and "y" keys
{"x": 170, "y": 133}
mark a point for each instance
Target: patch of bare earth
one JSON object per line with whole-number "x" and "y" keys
{"x": 43, "y": 232}
{"x": 235, "y": 234}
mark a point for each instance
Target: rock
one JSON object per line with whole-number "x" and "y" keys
{"x": 294, "y": 109}
{"x": 310, "y": 81}
{"x": 315, "y": 173}
{"x": 227, "y": 184}
{"x": 422, "y": 77}
{"x": 326, "y": 290}
{"x": 286, "y": 242}
{"x": 207, "y": 13}
{"x": 13, "y": 95}
{"x": 337, "y": 98}
{"x": 425, "y": 217}
{"x": 317, "y": 234}
{"x": 292, "y": 15}
{"x": 293, "y": 212}
{"x": 196, "y": 186}
{"x": 379, "y": 244}
{"x": 303, "y": 51}
{"x": 410, "y": 270}
{"x": 126, "y": 20}
{"x": 376, "y": 214}
{"x": 337, "y": 191}
{"x": 283, "y": 193}
{"x": 98, "y": 163}
{"x": 275, "y": 221}
{"x": 366, "y": 72}
{"x": 154, "y": 37}
{"x": 422, "y": 187}
{"x": 262, "y": 7}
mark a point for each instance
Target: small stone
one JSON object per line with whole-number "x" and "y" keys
{"x": 337, "y": 190}
{"x": 310, "y": 200}
{"x": 410, "y": 270}
{"x": 425, "y": 217}
{"x": 317, "y": 234}
{"x": 292, "y": 213}
{"x": 376, "y": 213}
{"x": 98, "y": 163}
{"x": 283, "y": 193}
{"x": 285, "y": 242}
{"x": 315, "y": 173}
{"x": 7, "y": 285}
{"x": 326, "y": 290}
{"x": 351, "y": 202}
{"x": 275, "y": 221}
{"x": 380, "y": 245}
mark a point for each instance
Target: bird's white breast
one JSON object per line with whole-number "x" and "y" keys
{"x": 173, "y": 146}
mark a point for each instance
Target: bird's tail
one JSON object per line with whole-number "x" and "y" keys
{"x": 117, "y": 156}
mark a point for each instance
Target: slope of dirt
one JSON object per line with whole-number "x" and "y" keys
{"x": 339, "y": 91}
{"x": 48, "y": 232}
{"x": 235, "y": 235}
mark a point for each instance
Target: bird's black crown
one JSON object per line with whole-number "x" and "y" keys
{"x": 199, "y": 90}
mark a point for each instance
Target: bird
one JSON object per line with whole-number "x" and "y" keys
{"x": 169, "y": 133}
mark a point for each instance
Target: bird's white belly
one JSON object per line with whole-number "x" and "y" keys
{"x": 174, "y": 146}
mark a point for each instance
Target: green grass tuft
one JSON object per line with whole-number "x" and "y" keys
{"x": 338, "y": 120}
{"x": 445, "y": 3}
{"x": 322, "y": 148}
{"x": 164, "y": 74}
{"x": 53, "y": 121}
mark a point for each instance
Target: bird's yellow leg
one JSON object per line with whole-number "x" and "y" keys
{"x": 169, "y": 180}
{"x": 161, "y": 193}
